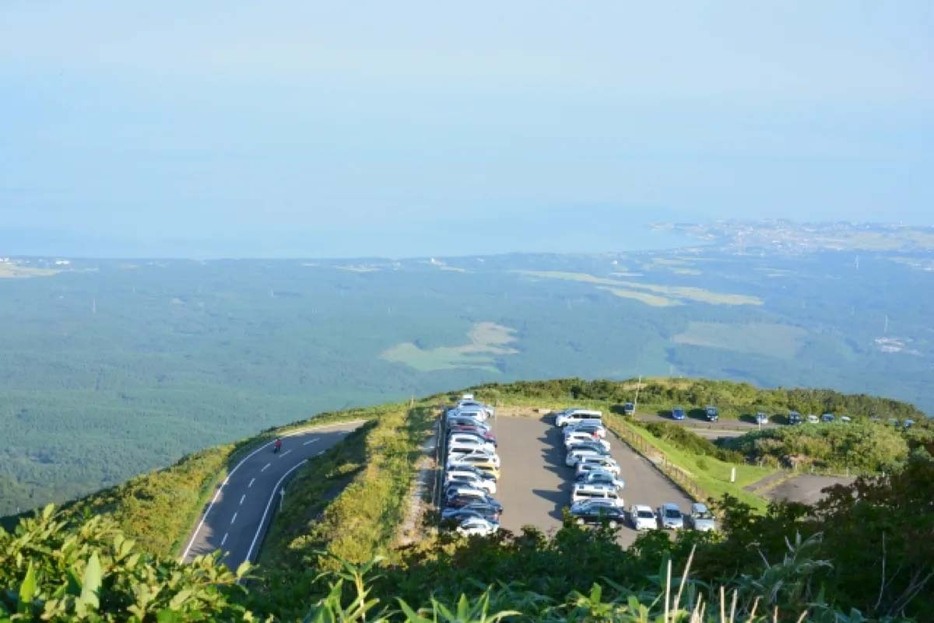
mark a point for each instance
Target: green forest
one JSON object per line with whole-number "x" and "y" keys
{"x": 112, "y": 368}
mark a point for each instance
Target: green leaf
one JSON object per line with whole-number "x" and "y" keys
{"x": 90, "y": 586}
{"x": 27, "y": 590}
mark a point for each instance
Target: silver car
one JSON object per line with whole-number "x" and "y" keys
{"x": 670, "y": 517}
{"x": 700, "y": 518}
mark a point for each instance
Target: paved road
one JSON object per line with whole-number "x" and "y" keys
{"x": 536, "y": 484}
{"x": 240, "y": 512}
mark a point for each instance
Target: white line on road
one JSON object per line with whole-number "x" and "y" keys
{"x": 242, "y": 497}
{"x": 286, "y": 452}
{"x": 311, "y": 441}
{"x": 217, "y": 494}
{"x": 265, "y": 467}
{"x": 272, "y": 496}
{"x": 320, "y": 453}
{"x": 252, "y": 480}
{"x": 224, "y": 540}
{"x": 234, "y": 518}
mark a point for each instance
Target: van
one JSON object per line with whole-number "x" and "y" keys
{"x": 584, "y": 491}
{"x": 575, "y": 415}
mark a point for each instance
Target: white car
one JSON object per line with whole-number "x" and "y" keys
{"x": 604, "y": 463}
{"x": 641, "y": 517}
{"x": 473, "y": 458}
{"x": 576, "y": 415}
{"x": 469, "y": 445}
{"x": 576, "y": 455}
{"x": 600, "y": 477}
{"x": 476, "y": 413}
{"x": 593, "y": 428}
{"x": 584, "y": 491}
{"x": 575, "y": 438}
{"x": 477, "y": 526}
{"x": 475, "y": 481}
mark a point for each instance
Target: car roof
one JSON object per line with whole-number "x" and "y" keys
{"x": 641, "y": 507}
{"x": 698, "y": 507}
{"x": 670, "y": 505}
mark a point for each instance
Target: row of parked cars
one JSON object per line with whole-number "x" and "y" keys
{"x": 596, "y": 495}
{"x": 471, "y": 469}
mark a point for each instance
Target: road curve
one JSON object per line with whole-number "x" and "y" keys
{"x": 241, "y": 509}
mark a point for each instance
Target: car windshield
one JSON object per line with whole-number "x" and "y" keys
{"x": 672, "y": 513}
{"x": 646, "y": 515}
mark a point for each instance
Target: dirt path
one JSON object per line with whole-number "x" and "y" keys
{"x": 806, "y": 488}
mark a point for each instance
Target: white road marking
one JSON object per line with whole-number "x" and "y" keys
{"x": 286, "y": 452}
{"x": 265, "y": 467}
{"x": 224, "y": 540}
{"x": 252, "y": 480}
{"x": 217, "y": 494}
{"x": 311, "y": 441}
{"x": 242, "y": 497}
{"x": 234, "y": 518}
{"x": 272, "y": 496}
{"x": 320, "y": 453}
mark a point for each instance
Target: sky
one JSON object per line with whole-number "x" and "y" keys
{"x": 306, "y": 129}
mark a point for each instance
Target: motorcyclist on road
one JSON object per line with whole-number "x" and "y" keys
{"x": 277, "y": 446}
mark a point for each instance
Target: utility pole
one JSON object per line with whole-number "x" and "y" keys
{"x": 635, "y": 403}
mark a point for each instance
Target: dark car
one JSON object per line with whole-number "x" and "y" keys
{"x": 629, "y": 409}
{"x": 712, "y": 413}
{"x": 460, "y": 501}
{"x": 459, "y": 514}
{"x": 677, "y": 413}
{"x": 473, "y": 430}
{"x": 598, "y": 512}
{"x": 794, "y": 417}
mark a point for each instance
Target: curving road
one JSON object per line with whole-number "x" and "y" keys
{"x": 238, "y": 515}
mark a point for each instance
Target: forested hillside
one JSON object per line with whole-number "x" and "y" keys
{"x": 111, "y": 368}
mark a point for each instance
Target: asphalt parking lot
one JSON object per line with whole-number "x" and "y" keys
{"x": 536, "y": 484}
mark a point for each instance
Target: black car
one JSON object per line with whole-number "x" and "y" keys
{"x": 598, "y": 512}
{"x": 794, "y": 417}
{"x": 460, "y": 501}
{"x": 459, "y": 514}
{"x": 712, "y": 413}
{"x": 629, "y": 409}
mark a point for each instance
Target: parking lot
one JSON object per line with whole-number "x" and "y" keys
{"x": 535, "y": 483}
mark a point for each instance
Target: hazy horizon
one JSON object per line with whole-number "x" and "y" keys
{"x": 235, "y": 129}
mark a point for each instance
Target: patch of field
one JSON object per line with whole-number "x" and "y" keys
{"x": 763, "y": 338}
{"x": 9, "y": 270}
{"x": 488, "y": 340}
{"x": 678, "y": 294}
{"x": 643, "y": 297}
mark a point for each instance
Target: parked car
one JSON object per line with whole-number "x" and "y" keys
{"x": 459, "y": 514}
{"x": 467, "y": 469}
{"x": 575, "y": 415}
{"x": 583, "y": 491}
{"x": 677, "y": 413}
{"x": 827, "y": 418}
{"x": 761, "y": 418}
{"x": 592, "y": 428}
{"x": 583, "y": 435}
{"x": 473, "y": 480}
{"x": 712, "y": 413}
{"x": 669, "y": 517}
{"x": 641, "y": 517}
{"x": 600, "y": 477}
{"x": 475, "y": 412}
{"x": 473, "y": 430}
{"x": 475, "y": 496}
{"x": 466, "y": 420}
{"x": 629, "y": 408}
{"x": 700, "y": 518}
{"x": 794, "y": 417}
{"x": 600, "y": 445}
{"x": 590, "y": 463}
{"x": 597, "y": 512}
{"x": 476, "y": 457}
{"x": 846, "y": 419}
{"x": 576, "y": 454}
{"x": 477, "y": 526}
{"x": 470, "y": 439}
{"x": 812, "y": 419}
{"x": 457, "y": 488}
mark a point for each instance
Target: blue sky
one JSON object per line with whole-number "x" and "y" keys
{"x": 315, "y": 129}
